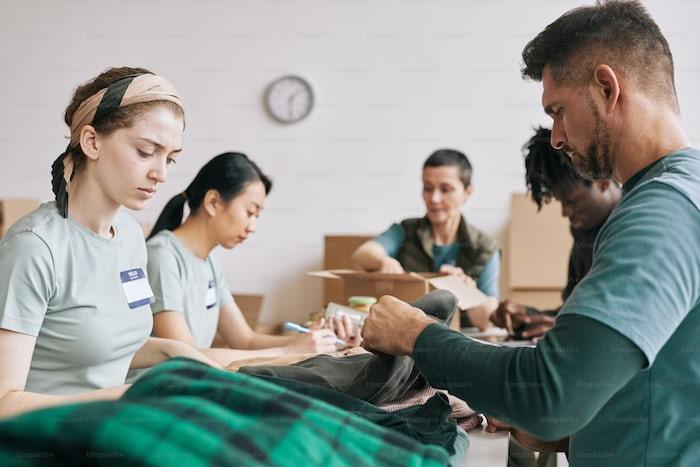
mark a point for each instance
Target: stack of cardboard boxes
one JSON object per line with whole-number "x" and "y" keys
{"x": 536, "y": 253}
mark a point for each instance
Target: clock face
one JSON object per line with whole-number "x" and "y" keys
{"x": 289, "y": 99}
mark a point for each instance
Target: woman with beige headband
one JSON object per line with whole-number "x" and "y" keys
{"x": 74, "y": 297}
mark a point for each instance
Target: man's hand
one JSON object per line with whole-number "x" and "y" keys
{"x": 513, "y": 316}
{"x": 527, "y": 439}
{"x": 393, "y": 326}
{"x": 494, "y": 424}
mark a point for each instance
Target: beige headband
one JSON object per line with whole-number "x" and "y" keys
{"x": 143, "y": 88}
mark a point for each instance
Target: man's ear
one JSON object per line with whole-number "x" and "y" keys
{"x": 210, "y": 202}
{"x": 607, "y": 86}
{"x": 89, "y": 142}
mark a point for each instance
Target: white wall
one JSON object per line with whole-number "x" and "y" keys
{"x": 394, "y": 80}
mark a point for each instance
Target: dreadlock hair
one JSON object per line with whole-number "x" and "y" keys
{"x": 547, "y": 169}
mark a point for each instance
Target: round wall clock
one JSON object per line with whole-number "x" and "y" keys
{"x": 289, "y": 99}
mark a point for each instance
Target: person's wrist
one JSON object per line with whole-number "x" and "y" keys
{"x": 417, "y": 327}
{"x": 174, "y": 348}
{"x": 171, "y": 349}
{"x": 295, "y": 342}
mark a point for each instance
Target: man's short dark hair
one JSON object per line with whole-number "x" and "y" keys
{"x": 621, "y": 34}
{"x": 548, "y": 169}
{"x": 443, "y": 157}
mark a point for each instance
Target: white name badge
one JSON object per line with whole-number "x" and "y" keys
{"x": 136, "y": 288}
{"x": 211, "y": 295}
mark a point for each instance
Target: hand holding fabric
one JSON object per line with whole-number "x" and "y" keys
{"x": 393, "y": 326}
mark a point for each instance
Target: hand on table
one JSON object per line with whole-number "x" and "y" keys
{"x": 494, "y": 424}
{"x": 527, "y": 439}
{"x": 513, "y": 316}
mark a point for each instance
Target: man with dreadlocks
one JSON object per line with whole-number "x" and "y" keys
{"x": 550, "y": 174}
{"x": 587, "y": 204}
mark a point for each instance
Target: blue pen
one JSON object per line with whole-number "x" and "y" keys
{"x": 302, "y": 329}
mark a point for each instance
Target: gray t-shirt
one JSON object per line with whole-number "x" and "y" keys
{"x": 184, "y": 282}
{"x": 84, "y": 297}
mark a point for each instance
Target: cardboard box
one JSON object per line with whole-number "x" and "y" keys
{"x": 338, "y": 250}
{"x": 12, "y": 209}
{"x": 539, "y": 244}
{"x": 407, "y": 287}
{"x": 538, "y": 248}
{"x": 250, "y": 305}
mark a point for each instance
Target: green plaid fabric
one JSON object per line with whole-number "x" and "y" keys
{"x": 185, "y": 413}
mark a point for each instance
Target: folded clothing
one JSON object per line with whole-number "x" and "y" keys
{"x": 377, "y": 378}
{"x": 427, "y": 423}
{"x": 465, "y": 417}
{"x": 184, "y": 412}
{"x": 289, "y": 359}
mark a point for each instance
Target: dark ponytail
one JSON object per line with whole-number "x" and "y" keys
{"x": 58, "y": 184}
{"x": 171, "y": 215}
{"x": 228, "y": 173}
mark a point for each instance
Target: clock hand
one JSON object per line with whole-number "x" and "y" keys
{"x": 290, "y": 101}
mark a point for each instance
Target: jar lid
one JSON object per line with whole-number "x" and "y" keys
{"x": 359, "y": 300}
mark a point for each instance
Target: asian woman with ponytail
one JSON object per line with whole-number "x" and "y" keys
{"x": 193, "y": 302}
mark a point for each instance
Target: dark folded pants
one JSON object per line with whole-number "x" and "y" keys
{"x": 426, "y": 423}
{"x": 376, "y": 378}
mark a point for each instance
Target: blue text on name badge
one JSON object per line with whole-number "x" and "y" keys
{"x": 136, "y": 288}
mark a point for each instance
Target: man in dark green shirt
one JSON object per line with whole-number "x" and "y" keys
{"x": 619, "y": 372}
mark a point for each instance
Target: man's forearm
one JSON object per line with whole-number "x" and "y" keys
{"x": 550, "y": 391}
